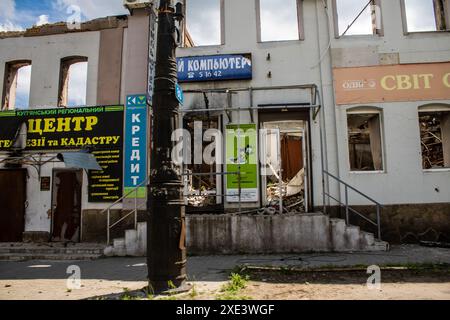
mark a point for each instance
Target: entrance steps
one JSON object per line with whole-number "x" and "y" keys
{"x": 134, "y": 244}
{"x": 50, "y": 251}
{"x": 247, "y": 234}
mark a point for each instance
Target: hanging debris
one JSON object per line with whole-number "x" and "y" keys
{"x": 431, "y": 140}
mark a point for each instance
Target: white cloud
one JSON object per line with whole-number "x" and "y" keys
{"x": 280, "y": 26}
{"x": 348, "y": 10}
{"x": 8, "y": 16}
{"x": 43, "y": 19}
{"x": 9, "y": 26}
{"x": 203, "y": 21}
{"x": 420, "y": 15}
{"x": 92, "y": 9}
{"x": 77, "y": 84}
{"x": 23, "y": 87}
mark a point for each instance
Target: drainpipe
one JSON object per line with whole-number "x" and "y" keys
{"x": 322, "y": 112}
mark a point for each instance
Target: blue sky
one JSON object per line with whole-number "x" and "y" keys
{"x": 17, "y": 15}
{"x": 22, "y": 14}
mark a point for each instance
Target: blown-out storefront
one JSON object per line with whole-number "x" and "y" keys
{"x": 263, "y": 161}
{"x": 394, "y": 137}
{"x": 46, "y": 171}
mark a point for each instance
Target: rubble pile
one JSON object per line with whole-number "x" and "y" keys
{"x": 430, "y": 130}
{"x": 201, "y": 198}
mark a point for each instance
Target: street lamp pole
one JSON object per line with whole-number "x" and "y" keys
{"x": 166, "y": 232}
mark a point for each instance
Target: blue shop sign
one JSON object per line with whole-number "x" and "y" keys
{"x": 135, "y": 171}
{"x": 215, "y": 68}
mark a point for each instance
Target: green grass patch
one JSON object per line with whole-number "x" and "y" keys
{"x": 231, "y": 290}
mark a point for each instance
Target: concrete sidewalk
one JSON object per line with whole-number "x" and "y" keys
{"x": 47, "y": 279}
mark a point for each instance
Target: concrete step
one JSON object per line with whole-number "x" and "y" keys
{"x": 52, "y": 257}
{"x": 352, "y": 237}
{"x": 131, "y": 242}
{"x": 338, "y": 228}
{"x": 378, "y": 246}
{"x": 349, "y": 238}
{"x": 134, "y": 244}
{"x": 142, "y": 238}
{"x": 50, "y": 251}
{"x": 368, "y": 239}
{"x": 334, "y": 235}
{"x": 119, "y": 247}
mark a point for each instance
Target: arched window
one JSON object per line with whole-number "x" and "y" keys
{"x": 73, "y": 81}
{"x": 16, "y": 88}
{"x": 434, "y": 122}
{"x": 364, "y": 131}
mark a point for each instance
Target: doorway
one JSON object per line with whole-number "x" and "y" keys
{"x": 285, "y": 165}
{"x": 13, "y": 185}
{"x": 66, "y": 205}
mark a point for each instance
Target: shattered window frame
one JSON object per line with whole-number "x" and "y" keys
{"x": 440, "y": 25}
{"x": 300, "y": 23}
{"x": 10, "y": 82}
{"x": 365, "y": 112}
{"x": 377, "y": 17}
{"x": 188, "y": 41}
{"x": 423, "y": 116}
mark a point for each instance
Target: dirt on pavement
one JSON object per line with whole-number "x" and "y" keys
{"x": 343, "y": 285}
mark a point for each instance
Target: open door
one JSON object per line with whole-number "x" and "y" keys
{"x": 284, "y": 166}
{"x": 66, "y": 205}
{"x": 13, "y": 185}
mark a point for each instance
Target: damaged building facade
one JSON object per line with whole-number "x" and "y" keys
{"x": 48, "y": 189}
{"x": 342, "y": 114}
{"x": 319, "y": 126}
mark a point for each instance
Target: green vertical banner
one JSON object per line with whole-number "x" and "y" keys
{"x": 242, "y": 156}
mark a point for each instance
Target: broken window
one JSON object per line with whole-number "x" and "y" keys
{"x": 426, "y": 15}
{"x": 73, "y": 82}
{"x": 203, "y": 24}
{"x": 357, "y": 17}
{"x": 16, "y": 88}
{"x": 280, "y": 20}
{"x": 202, "y": 184}
{"x": 364, "y": 141}
{"x": 435, "y": 139}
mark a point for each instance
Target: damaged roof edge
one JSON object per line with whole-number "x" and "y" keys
{"x": 61, "y": 27}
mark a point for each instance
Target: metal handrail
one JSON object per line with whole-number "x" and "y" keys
{"x": 135, "y": 210}
{"x": 127, "y": 215}
{"x": 348, "y": 209}
{"x": 124, "y": 196}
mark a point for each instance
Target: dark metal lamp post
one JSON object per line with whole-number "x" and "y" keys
{"x": 166, "y": 232}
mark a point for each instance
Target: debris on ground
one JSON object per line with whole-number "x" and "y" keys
{"x": 434, "y": 244}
